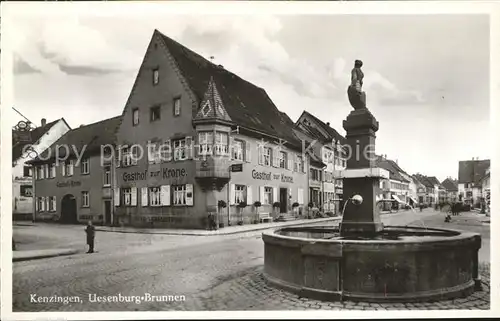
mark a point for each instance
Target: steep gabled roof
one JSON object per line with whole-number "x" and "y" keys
{"x": 247, "y": 105}
{"x": 87, "y": 139}
{"x": 392, "y": 167}
{"x": 472, "y": 171}
{"x": 434, "y": 180}
{"x": 331, "y": 132}
{"x": 424, "y": 180}
{"x": 34, "y": 135}
{"x": 450, "y": 185}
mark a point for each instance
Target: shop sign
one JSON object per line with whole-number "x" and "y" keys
{"x": 268, "y": 176}
{"x": 163, "y": 173}
{"x": 237, "y": 168}
{"x": 68, "y": 184}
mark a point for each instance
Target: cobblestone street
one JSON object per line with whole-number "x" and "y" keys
{"x": 213, "y": 272}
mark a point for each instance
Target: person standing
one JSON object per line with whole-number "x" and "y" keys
{"x": 90, "y": 230}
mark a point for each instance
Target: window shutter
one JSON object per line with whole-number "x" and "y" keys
{"x": 232, "y": 194}
{"x": 133, "y": 196}
{"x": 165, "y": 195}
{"x": 117, "y": 196}
{"x": 63, "y": 169}
{"x": 44, "y": 203}
{"x": 71, "y": 168}
{"x": 248, "y": 154}
{"x": 300, "y": 196}
{"x": 231, "y": 147}
{"x": 118, "y": 158}
{"x": 260, "y": 152}
{"x": 196, "y": 146}
{"x": 249, "y": 195}
{"x": 275, "y": 194}
{"x": 46, "y": 169}
{"x": 304, "y": 162}
{"x": 290, "y": 164}
{"x": 55, "y": 203}
{"x": 37, "y": 204}
{"x": 144, "y": 196}
{"x": 35, "y": 172}
{"x": 261, "y": 194}
{"x": 134, "y": 153}
{"x": 170, "y": 155}
{"x": 189, "y": 194}
{"x": 189, "y": 147}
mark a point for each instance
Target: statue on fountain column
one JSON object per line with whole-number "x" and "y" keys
{"x": 357, "y": 97}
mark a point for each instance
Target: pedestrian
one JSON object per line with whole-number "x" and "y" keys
{"x": 90, "y": 230}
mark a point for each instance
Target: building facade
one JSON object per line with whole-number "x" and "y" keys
{"x": 193, "y": 120}
{"x": 74, "y": 177}
{"x": 328, "y": 158}
{"x": 427, "y": 194}
{"x": 451, "y": 187}
{"x": 26, "y": 145}
{"x": 470, "y": 174}
{"x": 395, "y": 191}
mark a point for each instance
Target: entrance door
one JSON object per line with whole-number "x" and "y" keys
{"x": 107, "y": 212}
{"x": 68, "y": 210}
{"x": 283, "y": 200}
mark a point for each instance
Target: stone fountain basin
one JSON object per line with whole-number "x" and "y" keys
{"x": 400, "y": 264}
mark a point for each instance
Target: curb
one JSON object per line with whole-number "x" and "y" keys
{"x": 216, "y": 233}
{"x": 40, "y": 255}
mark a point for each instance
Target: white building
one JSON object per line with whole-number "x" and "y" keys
{"x": 26, "y": 145}
{"x": 325, "y": 189}
{"x": 470, "y": 174}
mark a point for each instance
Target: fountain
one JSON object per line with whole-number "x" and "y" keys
{"x": 363, "y": 260}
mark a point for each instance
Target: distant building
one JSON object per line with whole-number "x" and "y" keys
{"x": 325, "y": 190}
{"x": 439, "y": 190}
{"x": 426, "y": 190}
{"x": 485, "y": 191}
{"x": 26, "y": 145}
{"x": 451, "y": 187}
{"x": 470, "y": 174}
{"x": 397, "y": 187}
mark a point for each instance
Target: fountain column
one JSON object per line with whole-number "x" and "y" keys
{"x": 361, "y": 176}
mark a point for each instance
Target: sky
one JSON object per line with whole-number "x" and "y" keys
{"x": 426, "y": 76}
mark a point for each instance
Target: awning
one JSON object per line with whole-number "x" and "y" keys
{"x": 414, "y": 200}
{"x": 397, "y": 199}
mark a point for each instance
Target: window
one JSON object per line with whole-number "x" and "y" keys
{"x": 177, "y": 106}
{"x": 154, "y": 113}
{"x": 41, "y": 204}
{"x": 237, "y": 150}
{"x": 39, "y": 170}
{"x": 52, "y": 170}
{"x": 27, "y": 171}
{"x": 85, "y": 199}
{"x": 107, "y": 175}
{"x": 267, "y": 156}
{"x": 205, "y": 140}
{"x": 85, "y": 167}
{"x": 127, "y": 196}
{"x": 221, "y": 143}
{"x": 165, "y": 151}
{"x": 283, "y": 160}
{"x": 127, "y": 156}
{"x": 179, "y": 195}
{"x": 180, "y": 149}
{"x": 268, "y": 195}
{"x": 135, "y": 116}
{"x": 52, "y": 203}
{"x": 26, "y": 191}
{"x": 154, "y": 196}
{"x": 69, "y": 168}
{"x": 239, "y": 194}
{"x": 299, "y": 164}
{"x": 156, "y": 76}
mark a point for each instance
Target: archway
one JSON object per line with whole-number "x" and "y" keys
{"x": 68, "y": 210}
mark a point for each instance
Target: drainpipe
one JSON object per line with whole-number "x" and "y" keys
{"x": 34, "y": 198}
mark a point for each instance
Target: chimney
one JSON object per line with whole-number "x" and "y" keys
{"x": 44, "y": 122}
{"x": 328, "y": 124}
